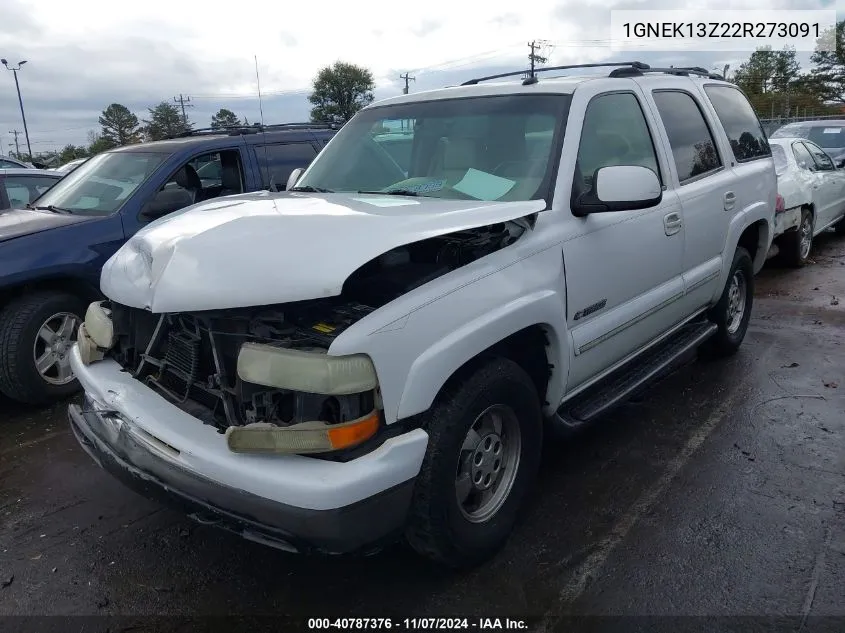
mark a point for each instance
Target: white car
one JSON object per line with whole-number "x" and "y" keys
{"x": 813, "y": 192}
{"x": 373, "y": 354}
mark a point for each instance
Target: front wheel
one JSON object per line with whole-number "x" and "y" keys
{"x": 733, "y": 312}
{"x": 36, "y": 335}
{"x": 485, "y": 440}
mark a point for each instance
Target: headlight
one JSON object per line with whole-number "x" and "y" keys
{"x": 307, "y": 437}
{"x": 311, "y": 372}
{"x": 98, "y": 325}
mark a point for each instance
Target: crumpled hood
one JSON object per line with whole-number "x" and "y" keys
{"x": 263, "y": 248}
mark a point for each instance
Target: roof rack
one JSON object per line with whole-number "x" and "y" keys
{"x": 683, "y": 71}
{"x": 255, "y": 128}
{"x": 533, "y": 79}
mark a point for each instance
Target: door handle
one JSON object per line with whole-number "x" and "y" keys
{"x": 672, "y": 223}
{"x": 730, "y": 200}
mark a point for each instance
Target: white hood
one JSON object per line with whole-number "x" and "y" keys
{"x": 262, "y": 248}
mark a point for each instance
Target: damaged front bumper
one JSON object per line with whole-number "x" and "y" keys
{"x": 290, "y": 502}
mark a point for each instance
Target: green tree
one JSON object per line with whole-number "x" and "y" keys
{"x": 224, "y": 118}
{"x": 165, "y": 122}
{"x": 339, "y": 91}
{"x": 98, "y": 143}
{"x": 71, "y": 152}
{"x": 768, "y": 71}
{"x": 119, "y": 125}
{"x": 828, "y": 75}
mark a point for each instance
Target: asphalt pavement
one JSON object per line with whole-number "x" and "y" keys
{"x": 720, "y": 493}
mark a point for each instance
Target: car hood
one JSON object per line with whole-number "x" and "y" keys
{"x": 263, "y": 248}
{"x": 18, "y": 222}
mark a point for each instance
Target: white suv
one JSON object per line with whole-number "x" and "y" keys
{"x": 378, "y": 351}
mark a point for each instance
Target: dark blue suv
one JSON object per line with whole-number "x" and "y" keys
{"x": 52, "y": 251}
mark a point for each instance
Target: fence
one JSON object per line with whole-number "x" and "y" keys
{"x": 770, "y": 125}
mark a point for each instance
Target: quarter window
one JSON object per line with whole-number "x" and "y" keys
{"x": 746, "y": 135}
{"x": 689, "y": 136}
{"x": 615, "y": 132}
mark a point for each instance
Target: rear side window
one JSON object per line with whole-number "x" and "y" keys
{"x": 822, "y": 160}
{"x": 802, "y": 156}
{"x": 277, "y": 161}
{"x": 746, "y": 135}
{"x": 692, "y": 143}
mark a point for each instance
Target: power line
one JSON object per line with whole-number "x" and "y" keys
{"x": 406, "y": 77}
{"x": 535, "y": 57}
{"x": 185, "y": 103}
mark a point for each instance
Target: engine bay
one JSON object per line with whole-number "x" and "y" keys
{"x": 191, "y": 358}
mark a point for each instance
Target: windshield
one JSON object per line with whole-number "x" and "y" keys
{"x": 779, "y": 155}
{"x": 482, "y": 148}
{"x": 103, "y": 183}
{"x": 828, "y": 137}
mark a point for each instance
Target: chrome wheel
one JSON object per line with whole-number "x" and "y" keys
{"x": 488, "y": 463}
{"x": 736, "y": 301}
{"x": 51, "y": 351}
{"x": 806, "y": 235}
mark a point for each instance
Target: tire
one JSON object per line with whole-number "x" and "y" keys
{"x": 439, "y": 527}
{"x": 795, "y": 250}
{"x": 20, "y": 323}
{"x": 731, "y": 332}
{"x": 839, "y": 227}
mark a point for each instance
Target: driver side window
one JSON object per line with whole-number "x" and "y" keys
{"x": 615, "y": 132}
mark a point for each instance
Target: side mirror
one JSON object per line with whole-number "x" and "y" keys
{"x": 840, "y": 163}
{"x": 166, "y": 201}
{"x": 620, "y": 188}
{"x": 295, "y": 175}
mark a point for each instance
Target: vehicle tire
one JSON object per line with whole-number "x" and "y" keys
{"x": 796, "y": 245}
{"x": 41, "y": 325}
{"x": 733, "y": 312}
{"x": 839, "y": 227}
{"x": 485, "y": 442}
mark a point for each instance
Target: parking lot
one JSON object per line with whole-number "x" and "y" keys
{"x": 721, "y": 492}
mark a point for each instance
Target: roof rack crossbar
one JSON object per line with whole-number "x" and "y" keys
{"x": 516, "y": 73}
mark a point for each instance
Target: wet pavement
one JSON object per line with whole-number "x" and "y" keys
{"x": 721, "y": 492}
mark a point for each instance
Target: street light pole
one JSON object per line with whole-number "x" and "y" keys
{"x": 20, "y": 100}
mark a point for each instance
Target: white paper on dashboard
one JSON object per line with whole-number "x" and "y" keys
{"x": 483, "y": 186}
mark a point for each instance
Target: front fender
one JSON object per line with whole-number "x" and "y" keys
{"x": 430, "y": 371}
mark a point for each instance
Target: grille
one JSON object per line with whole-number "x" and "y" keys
{"x": 179, "y": 365}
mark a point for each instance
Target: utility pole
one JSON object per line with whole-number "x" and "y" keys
{"x": 535, "y": 57}
{"x": 406, "y": 78}
{"x": 185, "y": 103}
{"x": 20, "y": 100}
{"x": 17, "y": 147}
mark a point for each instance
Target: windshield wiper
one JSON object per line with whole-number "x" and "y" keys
{"x": 310, "y": 189}
{"x": 394, "y": 192}
{"x": 53, "y": 208}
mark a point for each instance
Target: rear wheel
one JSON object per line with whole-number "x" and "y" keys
{"x": 37, "y": 332}
{"x": 485, "y": 438}
{"x": 796, "y": 245}
{"x": 733, "y": 312}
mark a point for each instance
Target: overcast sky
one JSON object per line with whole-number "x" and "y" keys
{"x": 84, "y": 55}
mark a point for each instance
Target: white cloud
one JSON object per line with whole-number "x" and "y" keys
{"x": 84, "y": 55}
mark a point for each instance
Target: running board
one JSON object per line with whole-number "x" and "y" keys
{"x": 625, "y": 381}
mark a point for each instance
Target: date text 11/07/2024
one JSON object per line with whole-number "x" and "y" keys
{"x": 417, "y": 624}
{"x": 759, "y": 30}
